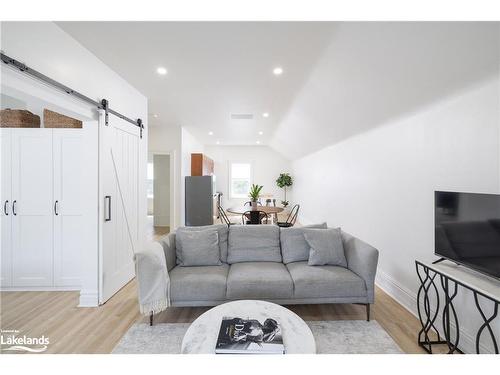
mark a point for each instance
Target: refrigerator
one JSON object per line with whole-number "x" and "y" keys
{"x": 199, "y": 195}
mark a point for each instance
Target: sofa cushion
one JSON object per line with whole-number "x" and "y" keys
{"x": 259, "y": 280}
{"x": 294, "y": 247}
{"x": 326, "y": 247}
{"x": 254, "y": 243}
{"x": 222, "y": 231}
{"x": 205, "y": 283}
{"x": 325, "y": 281}
{"x": 199, "y": 248}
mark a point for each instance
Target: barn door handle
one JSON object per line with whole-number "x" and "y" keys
{"x": 56, "y": 208}
{"x": 108, "y": 198}
{"x": 5, "y": 205}
{"x": 14, "y": 204}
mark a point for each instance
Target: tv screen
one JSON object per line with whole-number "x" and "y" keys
{"x": 467, "y": 230}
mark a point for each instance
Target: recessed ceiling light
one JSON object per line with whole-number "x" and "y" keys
{"x": 261, "y": 132}
{"x": 155, "y": 115}
{"x": 218, "y": 142}
{"x": 265, "y": 114}
{"x": 161, "y": 70}
{"x": 278, "y": 71}
{"x": 210, "y": 133}
{"x": 258, "y": 142}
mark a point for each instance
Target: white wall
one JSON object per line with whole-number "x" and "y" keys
{"x": 267, "y": 165}
{"x": 161, "y": 188}
{"x": 379, "y": 185}
{"x": 46, "y": 48}
{"x": 189, "y": 145}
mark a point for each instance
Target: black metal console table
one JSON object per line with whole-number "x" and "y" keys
{"x": 451, "y": 277}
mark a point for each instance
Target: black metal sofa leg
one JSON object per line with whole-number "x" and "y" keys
{"x": 151, "y": 318}
{"x": 367, "y": 312}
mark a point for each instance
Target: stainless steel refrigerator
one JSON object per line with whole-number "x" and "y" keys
{"x": 200, "y": 194}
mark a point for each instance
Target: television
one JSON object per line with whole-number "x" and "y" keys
{"x": 467, "y": 230}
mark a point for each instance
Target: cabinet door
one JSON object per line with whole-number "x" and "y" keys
{"x": 6, "y": 214}
{"x": 32, "y": 215}
{"x": 68, "y": 210}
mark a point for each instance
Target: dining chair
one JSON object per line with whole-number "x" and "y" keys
{"x": 291, "y": 219}
{"x": 224, "y": 216}
{"x": 275, "y": 215}
{"x": 254, "y": 217}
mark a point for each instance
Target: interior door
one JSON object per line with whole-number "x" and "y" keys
{"x": 68, "y": 209}
{"x": 32, "y": 207}
{"x": 119, "y": 170}
{"x": 6, "y": 214}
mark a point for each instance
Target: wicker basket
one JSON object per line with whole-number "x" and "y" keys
{"x": 53, "y": 119}
{"x": 18, "y": 118}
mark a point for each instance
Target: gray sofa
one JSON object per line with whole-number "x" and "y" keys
{"x": 261, "y": 262}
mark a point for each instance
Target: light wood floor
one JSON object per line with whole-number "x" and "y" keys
{"x": 71, "y": 329}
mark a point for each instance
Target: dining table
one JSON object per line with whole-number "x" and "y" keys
{"x": 271, "y": 211}
{"x": 267, "y": 209}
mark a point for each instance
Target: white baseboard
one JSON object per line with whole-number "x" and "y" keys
{"x": 40, "y": 289}
{"x": 408, "y": 299}
{"x": 89, "y": 298}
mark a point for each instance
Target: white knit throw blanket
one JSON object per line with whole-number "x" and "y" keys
{"x": 153, "y": 282}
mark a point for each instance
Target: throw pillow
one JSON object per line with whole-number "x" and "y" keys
{"x": 294, "y": 247}
{"x": 198, "y": 248}
{"x": 222, "y": 230}
{"x": 326, "y": 247}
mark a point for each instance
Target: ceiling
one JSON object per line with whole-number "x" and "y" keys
{"x": 215, "y": 69}
{"x": 340, "y": 78}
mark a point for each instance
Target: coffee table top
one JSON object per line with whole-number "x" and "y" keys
{"x": 201, "y": 336}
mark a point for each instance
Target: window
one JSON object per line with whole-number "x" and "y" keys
{"x": 240, "y": 179}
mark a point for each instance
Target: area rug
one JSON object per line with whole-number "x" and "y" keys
{"x": 332, "y": 337}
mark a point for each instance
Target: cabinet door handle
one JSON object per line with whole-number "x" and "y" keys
{"x": 108, "y": 198}
{"x": 56, "y": 208}
{"x": 5, "y": 205}
{"x": 14, "y": 204}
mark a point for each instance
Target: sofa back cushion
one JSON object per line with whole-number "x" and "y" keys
{"x": 254, "y": 243}
{"x": 293, "y": 244}
{"x": 222, "y": 231}
{"x": 199, "y": 248}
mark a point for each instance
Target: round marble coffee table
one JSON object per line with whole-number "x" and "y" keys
{"x": 201, "y": 336}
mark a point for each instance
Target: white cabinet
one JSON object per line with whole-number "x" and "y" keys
{"x": 32, "y": 215}
{"x": 68, "y": 209}
{"x": 41, "y": 190}
{"x": 6, "y": 202}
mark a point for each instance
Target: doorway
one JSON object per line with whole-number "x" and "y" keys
{"x": 159, "y": 195}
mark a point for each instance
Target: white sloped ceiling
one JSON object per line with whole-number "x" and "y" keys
{"x": 372, "y": 73}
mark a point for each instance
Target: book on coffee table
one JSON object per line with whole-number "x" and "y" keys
{"x": 249, "y": 336}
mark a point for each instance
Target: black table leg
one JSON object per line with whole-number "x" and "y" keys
{"x": 448, "y": 307}
{"x": 486, "y": 324}
{"x": 423, "y": 299}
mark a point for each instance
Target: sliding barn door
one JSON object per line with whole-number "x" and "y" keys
{"x": 119, "y": 171}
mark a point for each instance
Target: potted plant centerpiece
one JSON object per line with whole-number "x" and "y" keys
{"x": 284, "y": 181}
{"x": 254, "y": 194}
